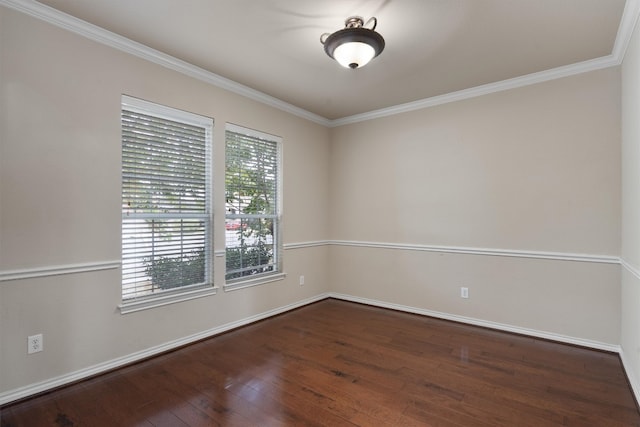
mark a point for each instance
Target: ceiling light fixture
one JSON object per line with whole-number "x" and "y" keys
{"x": 355, "y": 45}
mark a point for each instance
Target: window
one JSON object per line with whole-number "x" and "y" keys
{"x": 252, "y": 190}
{"x": 166, "y": 200}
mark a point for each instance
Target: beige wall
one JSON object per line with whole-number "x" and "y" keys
{"x": 60, "y": 196}
{"x": 530, "y": 169}
{"x": 535, "y": 169}
{"x": 630, "y": 334}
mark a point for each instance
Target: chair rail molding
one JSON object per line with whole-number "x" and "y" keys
{"x": 57, "y": 270}
{"x": 514, "y": 253}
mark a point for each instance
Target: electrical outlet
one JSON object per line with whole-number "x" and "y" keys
{"x": 301, "y": 280}
{"x": 34, "y": 344}
{"x": 464, "y": 292}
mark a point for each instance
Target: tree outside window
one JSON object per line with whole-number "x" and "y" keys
{"x": 252, "y": 203}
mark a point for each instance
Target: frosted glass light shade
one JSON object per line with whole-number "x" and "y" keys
{"x": 354, "y": 54}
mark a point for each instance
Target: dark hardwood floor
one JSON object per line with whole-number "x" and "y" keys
{"x": 335, "y": 363}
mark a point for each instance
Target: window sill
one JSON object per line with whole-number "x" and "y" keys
{"x": 247, "y": 283}
{"x": 165, "y": 299}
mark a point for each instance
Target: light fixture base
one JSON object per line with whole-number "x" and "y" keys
{"x": 354, "y": 22}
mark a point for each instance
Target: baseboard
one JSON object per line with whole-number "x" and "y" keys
{"x": 32, "y": 389}
{"x": 626, "y": 365}
{"x": 43, "y": 386}
{"x": 633, "y": 381}
{"x": 484, "y": 323}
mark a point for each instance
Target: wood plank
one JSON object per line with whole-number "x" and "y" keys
{"x": 336, "y": 363}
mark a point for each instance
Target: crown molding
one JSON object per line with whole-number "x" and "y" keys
{"x": 100, "y": 35}
{"x": 516, "y": 82}
{"x": 625, "y": 30}
{"x": 623, "y": 37}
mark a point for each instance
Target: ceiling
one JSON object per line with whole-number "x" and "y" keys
{"x": 433, "y": 47}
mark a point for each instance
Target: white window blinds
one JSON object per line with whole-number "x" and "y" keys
{"x": 252, "y": 203}
{"x": 166, "y": 193}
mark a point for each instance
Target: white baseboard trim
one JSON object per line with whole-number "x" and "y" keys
{"x": 626, "y": 365}
{"x": 43, "y": 386}
{"x": 484, "y": 323}
{"x": 633, "y": 381}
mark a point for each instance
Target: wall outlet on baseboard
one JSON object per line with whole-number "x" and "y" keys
{"x": 34, "y": 344}
{"x": 301, "y": 280}
{"x": 464, "y": 292}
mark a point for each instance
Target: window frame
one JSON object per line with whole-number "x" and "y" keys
{"x": 184, "y": 292}
{"x": 278, "y": 272}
